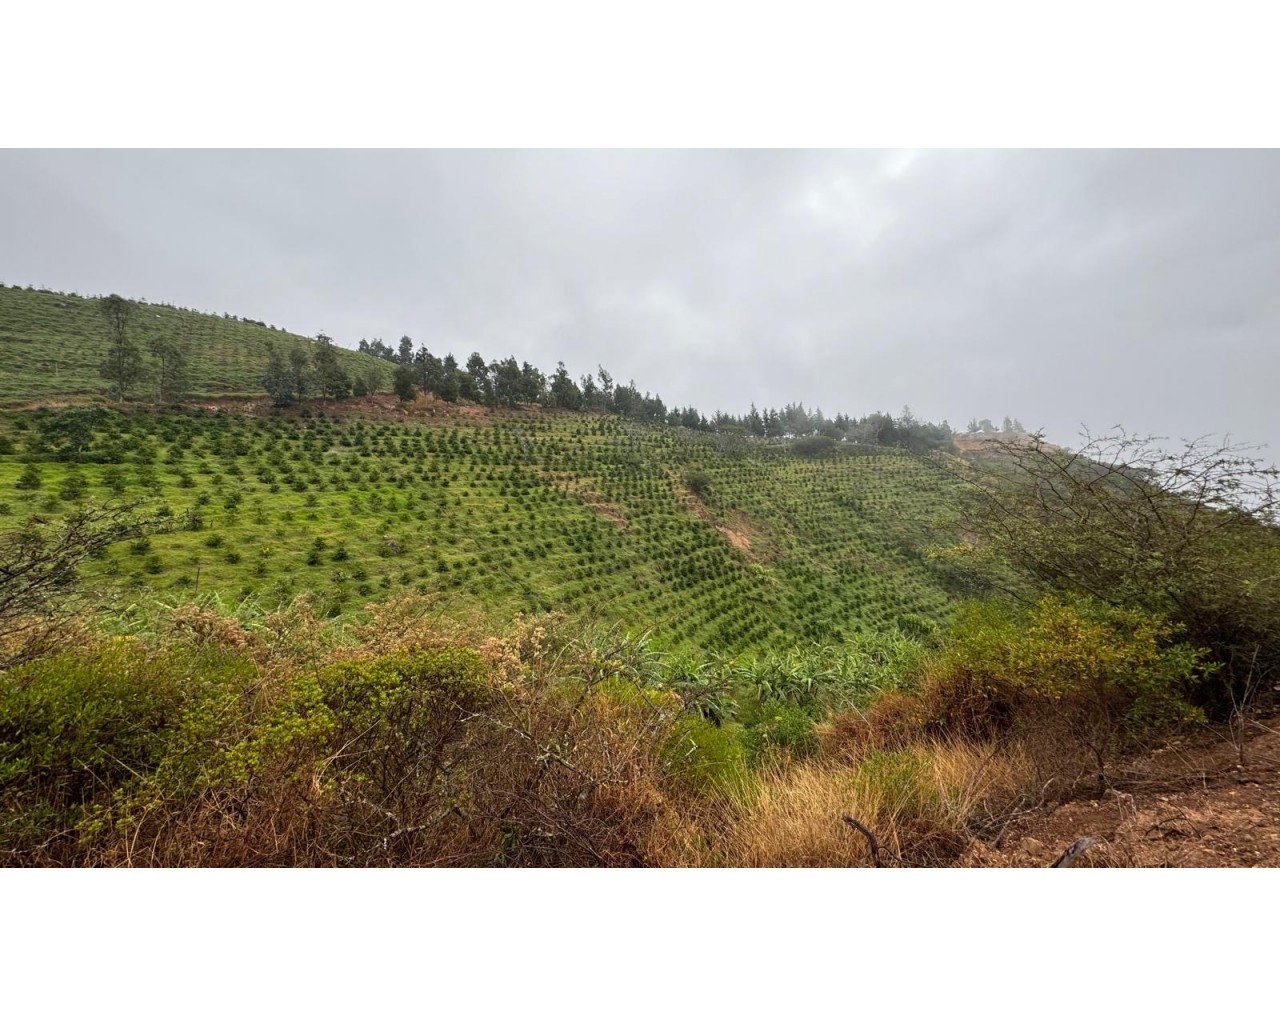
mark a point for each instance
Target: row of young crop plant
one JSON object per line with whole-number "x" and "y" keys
{"x": 491, "y": 514}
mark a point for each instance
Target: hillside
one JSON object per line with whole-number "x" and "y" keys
{"x": 714, "y": 540}
{"x": 52, "y": 343}
{"x": 717, "y": 543}
{"x": 422, "y": 630}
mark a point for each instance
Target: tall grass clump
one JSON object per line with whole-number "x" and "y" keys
{"x": 922, "y": 805}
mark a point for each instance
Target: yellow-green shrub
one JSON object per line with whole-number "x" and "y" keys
{"x": 358, "y": 709}
{"x": 1103, "y": 674}
{"x": 77, "y": 726}
{"x": 706, "y": 758}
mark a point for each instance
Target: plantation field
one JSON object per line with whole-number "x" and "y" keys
{"x": 52, "y": 343}
{"x": 716, "y": 543}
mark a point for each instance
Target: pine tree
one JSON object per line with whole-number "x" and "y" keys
{"x": 402, "y": 383}
{"x": 564, "y": 393}
{"x": 331, "y": 379}
{"x": 279, "y": 379}
{"x": 299, "y": 372}
{"x": 29, "y": 479}
{"x": 172, "y": 375}
{"x": 606, "y": 389}
{"x": 123, "y": 366}
{"x": 450, "y": 381}
{"x": 475, "y": 382}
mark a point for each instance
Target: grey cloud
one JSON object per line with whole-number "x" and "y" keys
{"x": 1094, "y": 287}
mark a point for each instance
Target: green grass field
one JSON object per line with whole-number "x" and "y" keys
{"x": 52, "y": 343}
{"x": 522, "y": 511}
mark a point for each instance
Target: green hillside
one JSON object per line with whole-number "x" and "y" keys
{"x": 606, "y": 636}
{"x": 52, "y": 343}
{"x": 715, "y": 542}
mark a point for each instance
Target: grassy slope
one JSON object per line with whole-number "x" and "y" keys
{"x": 510, "y": 512}
{"x": 51, "y": 345}
{"x": 500, "y": 512}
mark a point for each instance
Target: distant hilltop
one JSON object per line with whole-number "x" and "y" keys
{"x": 63, "y": 346}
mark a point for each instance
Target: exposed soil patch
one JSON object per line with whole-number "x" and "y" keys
{"x": 383, "y": 405}
{"x": 589, "y": 496}
{"x": 1191, "y": 804}
{"x": 427, "y": 407}
{"x": 736, "y": 528}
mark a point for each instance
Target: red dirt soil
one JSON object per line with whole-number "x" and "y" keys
{"x": 1191, "y": 804}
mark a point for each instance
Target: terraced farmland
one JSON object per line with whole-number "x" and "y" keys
{"x": 717, "y": 543}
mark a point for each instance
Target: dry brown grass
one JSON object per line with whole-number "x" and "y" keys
{"x": 920, "y": 803}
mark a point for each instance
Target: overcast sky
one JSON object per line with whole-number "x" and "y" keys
{"x": 1062, "y": 288}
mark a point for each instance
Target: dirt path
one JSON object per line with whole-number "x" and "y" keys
{"x": 1191, "y": 804}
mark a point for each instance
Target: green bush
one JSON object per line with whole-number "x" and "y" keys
{"x": 73, "y": 487}
{"x": 915, "y": 626}
{"x": 706, "y": 758}
{"x": 380, "y": 709}
{"x": 772, "y": 728}
{"x": 1064, "y": 649}
{"x": 814, "y": 447}
{"x": 77, "y": 727}
{"x": 1107, "y": 675}
{"x": 28, "y": 479}
{"x": 821, "y": 678}
{"x": 699, "y": 483}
